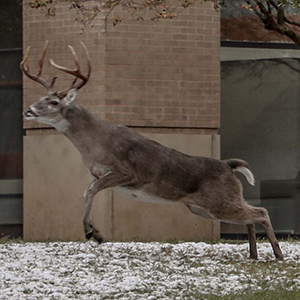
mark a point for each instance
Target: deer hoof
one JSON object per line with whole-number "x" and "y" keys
{"x": 279, "y": 258}
{"x": 97, "y": 236}
{"x": 89, "y": 235}
{"x": 253, "y": 256}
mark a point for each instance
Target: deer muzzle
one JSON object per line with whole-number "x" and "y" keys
{"x": 29, "y": 113}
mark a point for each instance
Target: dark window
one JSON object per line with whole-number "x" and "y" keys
{"x": 260, "y": 105}
{"x": 10, "y": 24}
{"x": 11, "y": 132}
{"x": 260, "y": 123}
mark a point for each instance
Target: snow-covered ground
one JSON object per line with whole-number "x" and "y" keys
{"x": 77, "y": 270}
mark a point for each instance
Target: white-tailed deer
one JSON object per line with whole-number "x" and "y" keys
{"x": 127, "y": 162}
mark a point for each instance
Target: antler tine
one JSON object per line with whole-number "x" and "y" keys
{"x": 75, "y": 72}
{"x": 53, "y": 81}
{"x": 24, "y": 65}
{"x": 86, "y": 78}
{"x": 41, "y": 61}
{"x": 25, "y": 60}
{"x": 88, "y": 58}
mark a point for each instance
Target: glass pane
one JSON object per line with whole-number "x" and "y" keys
{"x": 10, "y": 24}
{"x": 11, "y": 133}
{"x": 260, "y": 123}
{"x": 10, "y": 72}
{"x": 11, "y": 129}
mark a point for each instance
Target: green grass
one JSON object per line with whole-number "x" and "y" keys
{"x": 9, "y": 240}
{"x": 276, "y": 294}
{"x": 263, "y": 279}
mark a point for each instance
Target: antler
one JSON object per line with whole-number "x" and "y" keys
{"x": 76, "y": 72}
{"x": 24, "y": 65}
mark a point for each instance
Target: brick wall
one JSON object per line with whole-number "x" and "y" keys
{"x": 62, "y": 31}
{"x": 145, "y": 74}
{"x": 165, "y": 74}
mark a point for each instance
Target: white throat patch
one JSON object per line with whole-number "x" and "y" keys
{"x": 62, "y": 125}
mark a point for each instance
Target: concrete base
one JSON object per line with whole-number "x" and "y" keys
{"x": 55, "y": 179}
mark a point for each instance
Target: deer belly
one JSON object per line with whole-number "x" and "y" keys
{"x": 141, "y": 195}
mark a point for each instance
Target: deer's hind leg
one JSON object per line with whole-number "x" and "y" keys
{"x": 239, "y": 212}
{"x": 266, "y": 224}
{"x": 252, "y": 241}
{"x": 251, "y": 215}
{"x": 251, "y": 228}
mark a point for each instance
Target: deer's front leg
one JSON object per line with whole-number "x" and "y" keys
{"x": 88, "y": 198}
{"x": 108, "y": 180}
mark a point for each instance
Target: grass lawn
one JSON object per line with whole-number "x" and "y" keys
{"x": 86, "y": 270}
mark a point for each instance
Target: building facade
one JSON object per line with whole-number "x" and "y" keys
{"x": 161, "y": 79}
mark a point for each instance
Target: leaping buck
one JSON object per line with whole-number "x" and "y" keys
{"x": 127, "y": 162}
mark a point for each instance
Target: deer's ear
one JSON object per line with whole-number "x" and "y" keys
{"x": 71, "y": 97}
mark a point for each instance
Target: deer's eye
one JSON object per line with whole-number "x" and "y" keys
{"x": 54, "y": 103}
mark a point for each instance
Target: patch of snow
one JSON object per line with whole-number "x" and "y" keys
{"x": 150, "y": 271}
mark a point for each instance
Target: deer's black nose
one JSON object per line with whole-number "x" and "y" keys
{"x": 26, "y": 111}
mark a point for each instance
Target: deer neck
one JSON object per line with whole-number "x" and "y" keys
{"x": 80, "y": 127}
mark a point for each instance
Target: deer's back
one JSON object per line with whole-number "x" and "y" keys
{"x": 165, "y": 172}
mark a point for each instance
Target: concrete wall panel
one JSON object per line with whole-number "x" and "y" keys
{"x": 55, "y": 180}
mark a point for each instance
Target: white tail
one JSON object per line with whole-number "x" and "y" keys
{"x": 247, "y": 173}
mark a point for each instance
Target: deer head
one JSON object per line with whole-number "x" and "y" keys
{"x": 52, "y": 108}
